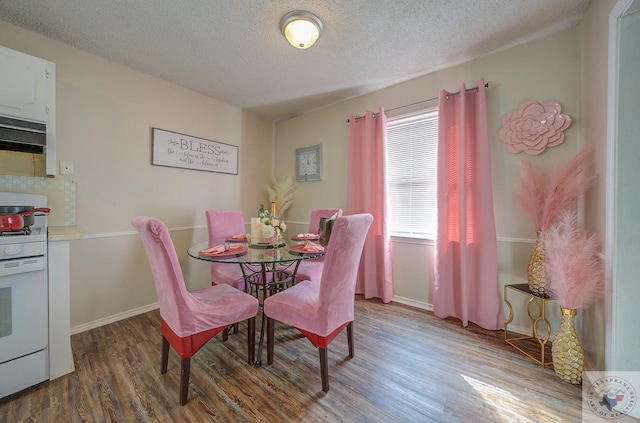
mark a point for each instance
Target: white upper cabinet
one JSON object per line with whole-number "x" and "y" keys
{"x": 28, "y": 92}
{"x": 27, "y": 86}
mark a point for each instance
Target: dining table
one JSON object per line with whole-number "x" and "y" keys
{"x": 266, "y": 268}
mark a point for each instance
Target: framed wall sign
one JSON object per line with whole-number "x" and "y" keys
{"x": 309, "y": 163}
{"x": 184, "y": 151}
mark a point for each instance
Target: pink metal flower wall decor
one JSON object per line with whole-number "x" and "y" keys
{"x": 533, "y": 127}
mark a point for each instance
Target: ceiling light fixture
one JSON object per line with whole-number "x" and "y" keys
{"x": 301, "y": 28}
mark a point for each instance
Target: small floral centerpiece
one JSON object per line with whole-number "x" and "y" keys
{"x": 272, "y": 229}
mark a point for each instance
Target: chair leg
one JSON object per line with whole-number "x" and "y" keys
{"x": 225, "y": 332}
{"x": 270, "y": 335}
{"x": 251, "y": 339}
{"x": 324, "y": 369}
{"x": 164, "y": 355}
{"x": 350, "y": 338}
{"x": 184, "y": 380}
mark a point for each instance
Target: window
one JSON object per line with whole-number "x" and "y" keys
{"x": 412, "y": 142}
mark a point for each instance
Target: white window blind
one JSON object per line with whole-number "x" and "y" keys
{"x": 412, "y": 142}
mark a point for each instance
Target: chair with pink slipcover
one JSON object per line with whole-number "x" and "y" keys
{"x": 311, "y": 269}
{"x": 321, "y": 309}
{"x": 224, "y": 224}
{"x": 189, "y": 319}
{"x": 317, "y": 214}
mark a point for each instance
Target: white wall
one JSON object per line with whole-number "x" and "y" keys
{"x": 105, "y": 113}
{"x": 626, "y": 290}
{"x": 568, "y": 67}
{"x": 593, "y": 132}
{"x": 543, "y": 70}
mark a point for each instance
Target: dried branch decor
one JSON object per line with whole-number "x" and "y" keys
{"x": 573, "y": 265}
{"x": 543, "y": 202}
{"x": 281, "y": 191}
{"x": 576, "y": 276}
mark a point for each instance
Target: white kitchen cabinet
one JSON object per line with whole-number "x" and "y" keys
{"x": 28, "y": 92}
{"x": 60, "y": 354}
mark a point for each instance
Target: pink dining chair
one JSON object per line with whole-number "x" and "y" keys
{"x": 317, "y": 214}
{"x": 321, "y": 309}
{"x": 224, "y": 224}
{"x": 311, "y": 269}
{"x": 189, "y": 319}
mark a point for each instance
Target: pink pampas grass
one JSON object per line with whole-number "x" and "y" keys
{"x": 572, "y": 265}
{"x": 531, "y": 193}
{"x": 542, "y": 202}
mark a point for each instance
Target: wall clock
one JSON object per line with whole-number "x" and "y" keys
{"x": 309, "y": 163}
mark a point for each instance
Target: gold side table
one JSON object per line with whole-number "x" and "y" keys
{"x": 540, "y": 302}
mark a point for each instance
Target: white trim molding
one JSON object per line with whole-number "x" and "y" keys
{"x": 114, "y": 318}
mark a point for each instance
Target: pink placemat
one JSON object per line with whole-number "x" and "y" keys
{"x": 232, "y": 251}
{"x": 303, "y": 237}
{"x": 300, "y": 249}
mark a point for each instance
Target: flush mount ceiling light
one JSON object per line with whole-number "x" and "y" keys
{"x": 301, "y": 28}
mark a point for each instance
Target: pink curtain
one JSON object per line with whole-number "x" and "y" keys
{"x": 366, "y": 193}
{"x": 466, "y": 264}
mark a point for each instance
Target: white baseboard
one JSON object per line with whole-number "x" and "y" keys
{"x": 521, "y": 330}
{"x": 114, "y": 318}
{"x": 134, "y": 312}
{"x": 62, "y": 373}
{"x": 413, "y": 303}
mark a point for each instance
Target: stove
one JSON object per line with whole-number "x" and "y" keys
{"x": 24, "y": 300}
{"x": 34, "y": 233}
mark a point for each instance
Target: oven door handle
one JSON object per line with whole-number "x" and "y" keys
{"x": 22, "y": 265}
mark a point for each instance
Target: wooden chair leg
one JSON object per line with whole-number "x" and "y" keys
{"x": 251, "y": 339}
{"x": 324, "y": 369}
{"x": 185, "y": 368}
{"x": 270, "y": 335}
{"x": 225, "y": 332}
{"x": 164, "y": 355}
{"x": 350, "y": 338}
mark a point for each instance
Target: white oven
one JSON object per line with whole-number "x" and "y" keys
{"x": 24, "y": 321}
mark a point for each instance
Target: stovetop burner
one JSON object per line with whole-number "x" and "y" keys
{"x": 24, "y": 231}
{"x": 34, "y": 233}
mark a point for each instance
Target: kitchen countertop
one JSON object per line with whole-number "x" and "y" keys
{"x": 64, "y": 233}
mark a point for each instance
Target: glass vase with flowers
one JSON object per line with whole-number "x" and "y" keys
{"x": 272, "y": 230}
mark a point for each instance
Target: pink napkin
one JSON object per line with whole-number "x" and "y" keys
{"x": 239, "y": 236}
{"x": 219, "y": 249}
{"x": 313, "y": 247}
{"x": 307, "y": 235}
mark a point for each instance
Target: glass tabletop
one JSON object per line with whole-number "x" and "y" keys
{"x": 245, "y": 253}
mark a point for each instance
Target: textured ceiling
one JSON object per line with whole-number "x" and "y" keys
{"x": 232, "y": 50}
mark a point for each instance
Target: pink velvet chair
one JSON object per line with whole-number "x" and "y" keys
{"x": 321, "y": 309}
{"x": 312, "y": 269}
{"x": 224, "y": 224}
{"x": 189, "y": 319}
{"x": 317, "y": 214}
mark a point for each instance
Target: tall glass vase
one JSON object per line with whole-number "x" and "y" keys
{"x": 566, "y": 349}
{"x": 536, "y": 272}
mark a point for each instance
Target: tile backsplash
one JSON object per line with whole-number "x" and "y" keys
{"x": 60, "y": 192}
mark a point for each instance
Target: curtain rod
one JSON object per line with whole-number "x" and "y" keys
{"x": 487, "y": 85}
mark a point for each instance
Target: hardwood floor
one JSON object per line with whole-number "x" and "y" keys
{"x": 409, "y": 366}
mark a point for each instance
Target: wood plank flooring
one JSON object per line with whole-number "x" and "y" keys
{"x": 409, "y": 366}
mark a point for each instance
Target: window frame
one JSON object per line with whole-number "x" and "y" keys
{"x": 431, "y": 115}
